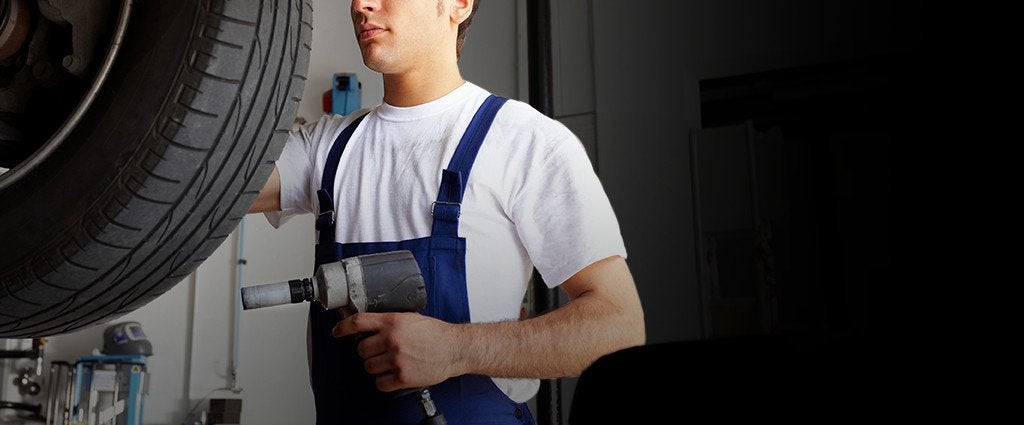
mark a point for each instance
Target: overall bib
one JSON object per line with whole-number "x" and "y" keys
{"x": 344, "y": 393}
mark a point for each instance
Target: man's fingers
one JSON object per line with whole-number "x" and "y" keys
{"x": 359, "y": 322}
{"x": 379, "y": 365}
{"x": 373, "y": 345}
{"x": 389, "y": 382}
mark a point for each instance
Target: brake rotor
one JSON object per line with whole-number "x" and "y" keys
{"x": 86, "y": 18}
{"x": 15, "y": 22}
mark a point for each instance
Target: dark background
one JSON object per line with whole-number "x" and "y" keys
{"x": 748, "y": 149}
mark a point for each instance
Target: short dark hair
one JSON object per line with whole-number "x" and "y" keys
{"x": 461, "y": 37}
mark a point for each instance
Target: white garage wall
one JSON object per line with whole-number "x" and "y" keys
{"x": 191, "y": 326}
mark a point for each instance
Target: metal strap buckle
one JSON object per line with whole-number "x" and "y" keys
{"x": 333, "y": 218}
{"x": 434, "y": 205}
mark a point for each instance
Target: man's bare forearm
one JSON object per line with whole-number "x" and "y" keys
{"x": 409, "y": 350}
{"x": 560, "y": 343}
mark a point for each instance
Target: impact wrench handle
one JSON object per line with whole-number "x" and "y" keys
{"x": 430, "y": 414}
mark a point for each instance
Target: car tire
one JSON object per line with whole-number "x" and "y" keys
{"x": 164, "y": 165}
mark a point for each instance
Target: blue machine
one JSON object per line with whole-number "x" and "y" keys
{"x": 346, "y": 94}
{"x": 109, "y": 388}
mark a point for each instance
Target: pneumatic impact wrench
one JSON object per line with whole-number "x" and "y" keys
{"x": 384, "y": 282}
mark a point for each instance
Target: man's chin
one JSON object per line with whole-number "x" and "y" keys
{"x": 380, "y": 67}
{"x": 374, "y": 62}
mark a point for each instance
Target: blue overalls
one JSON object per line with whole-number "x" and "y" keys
{"x": 344, "y": 393}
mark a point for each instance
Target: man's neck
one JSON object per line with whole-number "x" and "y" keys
{"x": 420, "y": 86}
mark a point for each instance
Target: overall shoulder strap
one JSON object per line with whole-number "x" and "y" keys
{"x": 326, "y": 216}
{"x": 448, "y": 207}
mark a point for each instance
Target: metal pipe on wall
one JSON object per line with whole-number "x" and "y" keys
{"x": 538, "y": 29}
{"x": 236, "y": 334}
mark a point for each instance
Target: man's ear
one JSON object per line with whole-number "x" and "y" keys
{"x": 461, "y": 9}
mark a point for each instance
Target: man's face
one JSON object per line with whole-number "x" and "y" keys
{"x": 397, "y": 35}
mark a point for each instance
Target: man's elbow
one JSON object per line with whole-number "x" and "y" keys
{"x": 631, "y": 314}
{"x": 636, "y": 329}
{"x": 629, "y": 322}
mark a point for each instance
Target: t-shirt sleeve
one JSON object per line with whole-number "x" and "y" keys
{"x": 295, "y": 166}
{"x": 563, "y": 215}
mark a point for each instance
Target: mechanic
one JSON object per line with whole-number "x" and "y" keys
{"x": 397, "y": 176}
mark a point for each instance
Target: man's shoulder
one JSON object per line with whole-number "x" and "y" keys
{"x": 327, "y": 127}
{"x": 522, "y": 134}
{"x": 522, "y": 117}
{"x": 523, "y": 110}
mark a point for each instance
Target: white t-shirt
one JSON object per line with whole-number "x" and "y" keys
{"x": 533, "y": 199}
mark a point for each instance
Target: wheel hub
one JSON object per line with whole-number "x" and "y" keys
{"x": 15, "y": 22}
